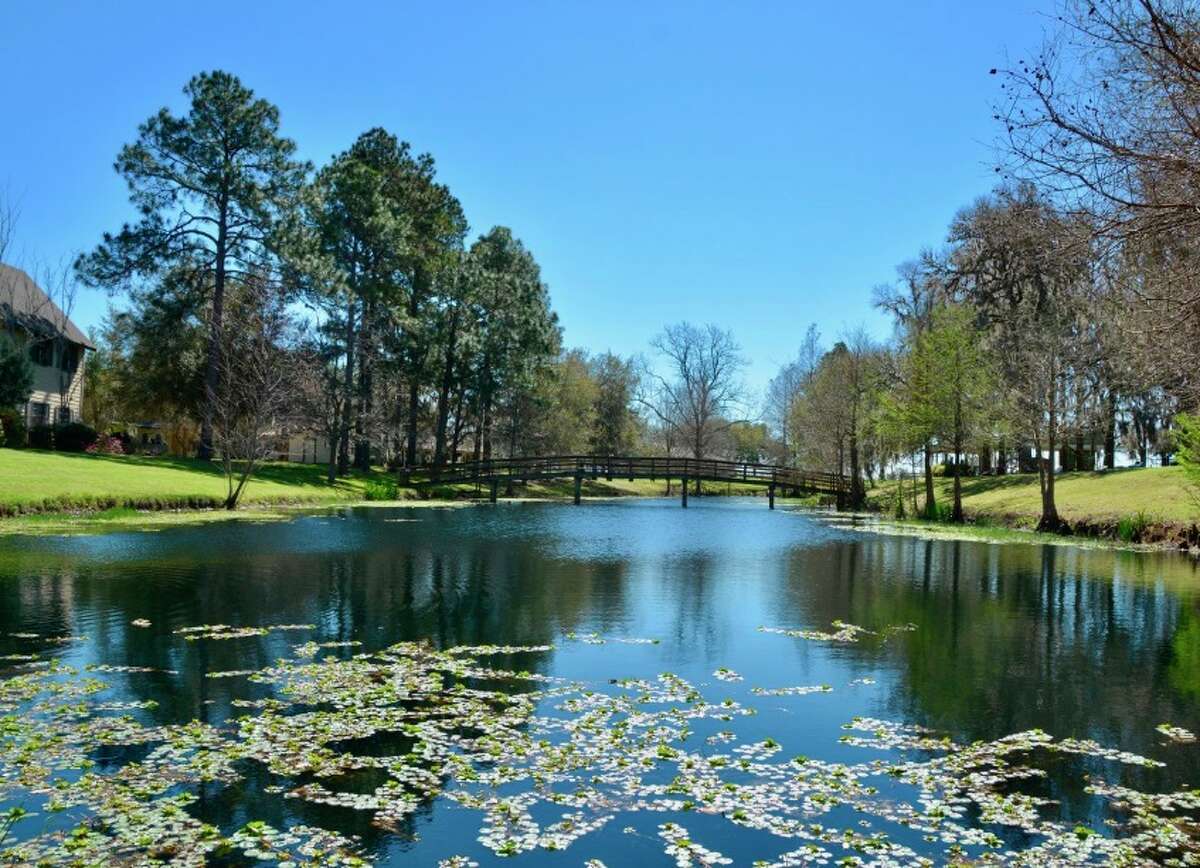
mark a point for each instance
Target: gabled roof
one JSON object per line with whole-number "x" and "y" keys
{"x": 25, "y": 303}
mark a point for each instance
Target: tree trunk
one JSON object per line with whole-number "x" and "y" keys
{"x": 956, "y": 512}
{"x": 857, "y": 494}
{"x": 443, "y": 403}
{"x": 1001, "y": 460}
{"x": 212, "y": 372}
{"x": 416, "y": 359}
{"x": 459, "y": 422}
{"x": 366, "y": 365}
{"x": 414, "y": 406}
{"x": 485, "y": 424}
{"x": 1110, "y": 434}
{"x": 343, "y": 444}
{"x": 1049, "y": 521}
{"x": 930, "y": 502}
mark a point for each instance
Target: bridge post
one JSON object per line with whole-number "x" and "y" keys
{"x": 495, "y": 486}
{"x": 771, "y": 496}
{"x": 578, "y": 485}
{"x": 685, "y": 486}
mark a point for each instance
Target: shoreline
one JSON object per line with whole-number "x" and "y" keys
{"x": 129, "y": 520}
{"x": 992, "y": 534}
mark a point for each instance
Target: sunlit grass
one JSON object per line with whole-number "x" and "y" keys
{"x": 1157, "y": 494}
{"x": 37, "y": 481}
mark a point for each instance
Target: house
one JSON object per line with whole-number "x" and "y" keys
{"x": 306, "y": 447}
{"x": 56, "y": 347}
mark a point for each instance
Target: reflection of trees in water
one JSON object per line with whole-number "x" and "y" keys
{"x": 391, "y": 585}
{"x": 374, "y": 582}
{"x": 696, "y": 628}
{"x": 1085, "y": 643}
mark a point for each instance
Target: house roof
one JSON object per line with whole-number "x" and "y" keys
{"x": 26, "y": 303}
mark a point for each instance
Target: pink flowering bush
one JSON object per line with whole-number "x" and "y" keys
{"x": 107, "y": 446}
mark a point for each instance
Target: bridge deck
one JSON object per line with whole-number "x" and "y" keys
{"x": 581, "y": 467}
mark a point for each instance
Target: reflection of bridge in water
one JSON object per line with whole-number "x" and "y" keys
{"x": 495, "y": 471}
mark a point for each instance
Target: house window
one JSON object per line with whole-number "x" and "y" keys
{"x": 68, "y": 359}
{"x": 39, "y": 413}
{"x": 42, "y": 353}
{"x": 64, "y": 414}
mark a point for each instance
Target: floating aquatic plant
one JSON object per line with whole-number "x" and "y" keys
{"x": 540, "y": 761}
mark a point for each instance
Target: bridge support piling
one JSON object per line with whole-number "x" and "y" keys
{"x": 770, "y": 496}
{"x": 685, "y": 487}
{"x": 578, "y": 486}
{"x": 495, "y": 486}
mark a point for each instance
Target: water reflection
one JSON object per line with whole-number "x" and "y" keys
{"x": 1079, "y": 642}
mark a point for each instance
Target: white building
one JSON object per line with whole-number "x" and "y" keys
{"x": 56, "y": 346}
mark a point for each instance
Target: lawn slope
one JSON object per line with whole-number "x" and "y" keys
{"x": 36, "y": 481}
{"x": 33, "y": 481}
{"x": 1161, "y": 494}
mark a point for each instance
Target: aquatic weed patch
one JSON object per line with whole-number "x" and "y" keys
{"x": 841, "y": 632}
{"x": 539, "y": 762}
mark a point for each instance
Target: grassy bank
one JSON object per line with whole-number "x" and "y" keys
{"x": 54, "y": 492}
{"x": 1130, "y": 505}
{"x": 992, "y": 533}
{"x": 33, "y": 481}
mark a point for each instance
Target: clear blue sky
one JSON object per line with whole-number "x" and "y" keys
{"x": 760, "y": 165}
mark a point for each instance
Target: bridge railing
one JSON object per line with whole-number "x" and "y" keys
{"x": 631, "y": 467}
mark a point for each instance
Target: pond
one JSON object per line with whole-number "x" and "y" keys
{"x": 624, "y": 682}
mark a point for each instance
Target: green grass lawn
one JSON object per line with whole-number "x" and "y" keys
{"x": 35, "y": 481}
{"x": 32, "y": 480}
{"x": 1161, "y": 493}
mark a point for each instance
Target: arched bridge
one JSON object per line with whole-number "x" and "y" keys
{"x": 497, "y": 471}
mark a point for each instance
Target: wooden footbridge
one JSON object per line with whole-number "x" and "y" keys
{"x": 505, "y": 471}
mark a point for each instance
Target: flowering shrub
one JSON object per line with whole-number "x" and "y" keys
{"x": 107, "y": 446}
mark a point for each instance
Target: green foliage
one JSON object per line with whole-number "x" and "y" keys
{"x": 559, "y": 411}
{"x": 16, "y": 373}
{"x": 12, "y": 428}
{"x": 41, "y": 436}
{"x": 381, "y": 489}
{"x": 221, "y": 166}
{"x": 73, "y": 437}
{"x": 1130, "y": 528}
{"x": 215, "y": 189}
{"x": 1187, "y": 439}
{"x": 102, "y": 396}
{"x": 750, "y": 441}
{"x": 614, "y": 426}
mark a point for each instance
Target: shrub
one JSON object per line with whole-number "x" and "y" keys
{"x": 381, "y": 489}
{"x": 1131, "y": 528}
{"x": 1187, "y": 437}
{"x": 12, "y": 429}
{"x": 109, "y": 445}
{"x": 938, "y": 512}
{"x": 965, "y": 468}
{"x": 73, "y": 437}
{"x": 16, "y": 373}
{"x": 41, "y": 437}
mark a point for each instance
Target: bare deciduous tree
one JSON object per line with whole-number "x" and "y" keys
{"x": 700, "y": 388}
{"x": 255, "y": 387}
{"x": 787, "y": 387}
{"x": 1106, "y": 119}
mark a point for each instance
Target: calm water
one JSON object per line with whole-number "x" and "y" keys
{"x": 1084, "y": 643}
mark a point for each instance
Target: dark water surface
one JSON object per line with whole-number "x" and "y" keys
{"x": 1079, "y": 642}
